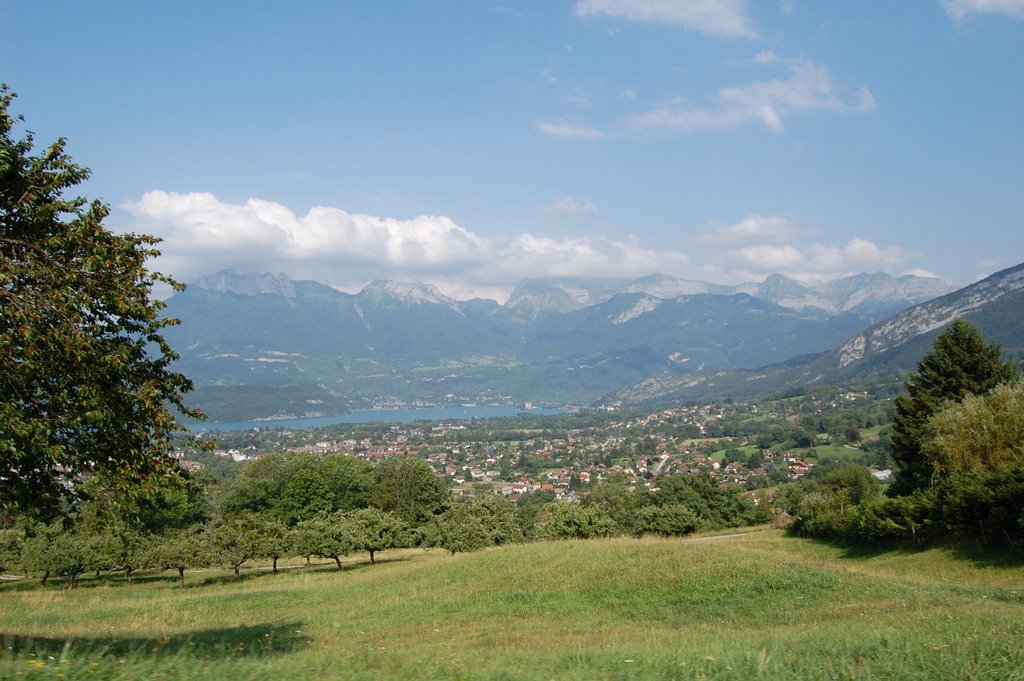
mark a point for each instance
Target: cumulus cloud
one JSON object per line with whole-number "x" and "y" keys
{"x": 202, "y": 235}
{"x": 811, "y": 263}
{"x": 725, "y": 18}
{"x": 753, "y": 229}
{"x": 757, "y": 246}
{"x": 567, "y": 131}
{"x": 809, "y": 87}
{"x": 959, "y": 9}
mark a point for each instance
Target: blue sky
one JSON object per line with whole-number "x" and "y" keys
{"x": 471, "y": 143}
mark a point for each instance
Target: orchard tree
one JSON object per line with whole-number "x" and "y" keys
{"x": 181, "y": 551}
{"x": 476, "y": 524}
{"x": 86, "y": 388}
{"x": 276, "y": 540}
{"x": 328, "y": 535}
{"x": 372, "y": 530}
{"x": 961, "y": 363}
{"x": 233, "y": 541}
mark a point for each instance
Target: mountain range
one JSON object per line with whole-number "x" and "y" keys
{"x": 877, "y": 356}
{"x": 259, "y": 345}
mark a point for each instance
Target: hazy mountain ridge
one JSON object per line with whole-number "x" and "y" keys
{"x": 886, "y": 349}
{"x": 877, "y": 293}
{"x": 323, "y": 350}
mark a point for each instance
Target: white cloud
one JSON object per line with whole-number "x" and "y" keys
{"x": 726, "y": 18}
{"x": 757, "y": 246}
{"x": 202, "y": 235}
{"x": 814, "y": 262}
{"x": 959, "y": 9}
{"x": 787, "y": 7}
{"x": 808, "y": 88}
{"x": 765, "y": 57}
{"x": 572, "y": 205}
{"x": 753, "y": 229}
{"x": 568, "y": 131}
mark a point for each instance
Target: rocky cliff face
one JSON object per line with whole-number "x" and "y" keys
{"x": 931, "y": 315}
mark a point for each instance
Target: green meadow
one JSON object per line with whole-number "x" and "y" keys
{"x": 757, "y": 606}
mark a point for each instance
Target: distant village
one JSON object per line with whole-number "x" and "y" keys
{"x": 637, "y": 450}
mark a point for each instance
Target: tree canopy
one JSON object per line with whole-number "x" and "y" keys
{"x": 86, "y": 386}
{"x": 961, "y": 363}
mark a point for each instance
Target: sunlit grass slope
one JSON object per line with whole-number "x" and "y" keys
{"x": 758, "y": 606}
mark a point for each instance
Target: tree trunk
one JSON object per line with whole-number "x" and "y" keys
{"x": 237, "y": 566}
{"x": 275, "y": 565}
{"x": 372, "y": 562}
{"x": 128, "y": 570}
{"x": 337, "y": 559}
{"x": 46, "y": 576}
{"x": 181, "y": 577}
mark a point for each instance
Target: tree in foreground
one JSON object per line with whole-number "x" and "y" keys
{"x": 976, "y": 450}
{"x": 409, "y": 488}
{"x": 86, "y": 388}
{"x": 566, "y": 520}
{"x": 329, "y": 535}
{"x": 961, "y": 363}
{"x": 476, "y": 524}
{"x": 373, "y": 530}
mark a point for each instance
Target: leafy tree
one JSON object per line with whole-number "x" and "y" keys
{"x": 476, "y": 524}
{"x": 564, "y": 520}
{"x": 669, "y": 520}
{"x": 123, "y": 547}
{"x": 374, "y": 530}
{"x": 65, "y": 553}
{"x": 86, "y": 388}
{"x": 181, "y": 550}
{"x": 618, "y": 501}
{"x": 409, "y": 488}
{"x": 326, "y": 535}
{"x": 349, "y": 481}
{"x": 276, "y": 540}
{"x": 714, "y": 505}
{"x": 235, "y": 540}
{"x": 304, "y": 495}
{"x": 960, "y": 363}
{"x": 976, "y": 451}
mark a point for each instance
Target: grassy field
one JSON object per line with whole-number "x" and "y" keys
{"x": 760, "y": 606}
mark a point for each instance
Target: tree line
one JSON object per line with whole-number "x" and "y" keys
{"x": 288, "y": 505}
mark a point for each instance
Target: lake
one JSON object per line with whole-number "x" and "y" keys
{"x": 461, "y": 413}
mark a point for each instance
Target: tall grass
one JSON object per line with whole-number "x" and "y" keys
{"x": 758, "y": 606}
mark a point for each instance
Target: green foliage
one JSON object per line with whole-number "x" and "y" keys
{"x": 618, "y": 502}
{"x": 715, "y": 506}
{"x": 977, "y": 453}
{"x": 181, "y": 550}
{"x": 565, "y": 520}
{"x": 374, "y": 530}
{"x": 668, "y": 520}
{"x": 67, "y": 554}
{"x": 409, "y": 488}
{"x": 326, "y": 535}
{"x": 476, "y": 524}
{"x": 234, "y": 540}
{"x": 86, "y": 389}
{"x": 298, "y": 486}
{"x": 961, "y": 363}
